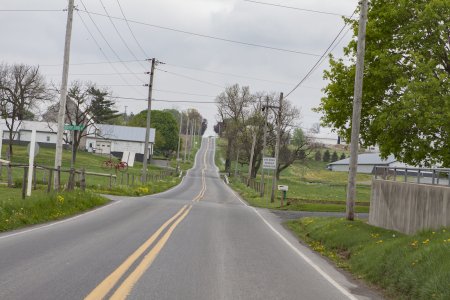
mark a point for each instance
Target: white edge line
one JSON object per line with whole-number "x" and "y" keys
{"x": 59, "y": 222}
{"x": 298, "y": 252}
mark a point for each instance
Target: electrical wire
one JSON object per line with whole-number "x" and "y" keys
{"x": 101, "y": 50}
{"x": 204, "y": 35}
{"x": 160, "y": 100}
{"x": 190, "y": 78}
{"x": 120, "y": 36}
{"x": 296, "y": 8}
{"x": 32, "y": 10}
{"x": 318, "y": 62}
{"x": 106, "y": 41}
{"x": 131, "y": 31}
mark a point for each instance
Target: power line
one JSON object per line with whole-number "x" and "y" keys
{"x": 184, "y": 93}
{"x": 204, "y": 35}
{"x": 131, "y": 31}
{"x": 32, "y": 10}
{"x": 228, "y": 74}
{"x": 318, "y": 61}
{"x": 167, "y": 101}
{"x": 297, "y": 8}
{"x": 191, "y": 78}
{"x": 106, "y": 41}
{"x": 95, "y": 63}
{"x": 120, "y": 36}
{"x": 101, "y": 50}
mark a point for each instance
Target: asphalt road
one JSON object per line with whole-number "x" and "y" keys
{"x": 196, "y": 241}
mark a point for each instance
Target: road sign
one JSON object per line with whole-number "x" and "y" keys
{"x": 269, "y": 163}
{"x": 74, "y": 127}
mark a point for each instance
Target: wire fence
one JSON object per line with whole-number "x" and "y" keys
{"x": 430, "y": 176}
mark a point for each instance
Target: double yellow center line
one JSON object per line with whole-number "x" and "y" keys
{"x": 124, "y": 289}
{"x": 205, "y": 166}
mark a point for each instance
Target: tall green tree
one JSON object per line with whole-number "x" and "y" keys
{"x": 406, "y": 95}
{"x": 166, "y": 126}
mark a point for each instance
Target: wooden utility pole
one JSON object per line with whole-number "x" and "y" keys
{"x": 356, "y": 118}
{"x": 179, "y": 142}
{"x": 147, "y": 129}
{"x": 186, "y": 136}
{"x": 264, "y": 145}
{"x": 250, "y": 164}
{"x": 63, "y": 96}
{"x": 277, "y": 149}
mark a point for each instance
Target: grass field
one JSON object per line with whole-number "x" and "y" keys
{"x": 308, "y": 181}
{"x": 406, "y": 267}
{"x": 42, "y": 207}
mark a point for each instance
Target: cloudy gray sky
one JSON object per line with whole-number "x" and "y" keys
{"x": 38, "y": 38}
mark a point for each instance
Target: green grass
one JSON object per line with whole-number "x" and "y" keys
{"x": 405, "y": 267}
{"x": 153, "y": 187}
{"x": 254, "y": 199}
{"x": 311, "y": 186}
{"x": 91, "y": 163}
{"x": 42, "y": 207}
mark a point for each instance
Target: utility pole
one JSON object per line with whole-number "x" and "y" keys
{"x": 147, "y": 130}
{"x": 63, "y": 96}
{"x": 356, "y": 118}
{"x": 186, "y": 137}
{"x": 250, "y": 164}
{"x": 126, "y": 117}
{"x": 179, "y": 142}
{"x": 277, "y": 149}
{"x": 264, "y": 144}
{"x": 192, "y": 132}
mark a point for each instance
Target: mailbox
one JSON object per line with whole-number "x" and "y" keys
{"x": 283, "y": 188}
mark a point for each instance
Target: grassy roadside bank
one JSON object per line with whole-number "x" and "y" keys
{"x": 42, "y": 207}
{"x": 405, "y": 267}
{"x": 254, "y": 199}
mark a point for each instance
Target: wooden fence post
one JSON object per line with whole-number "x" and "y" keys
{"x": 50, "y": 180}
{"x": 58, "y": 170}
{"x": 24, "y": 182}
{"x": 83, "y": 180}
{"x": 34, "y": 178}
{"x": 132, "y": 179}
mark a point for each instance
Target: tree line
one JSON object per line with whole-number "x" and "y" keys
{"x": 242, "y": 120}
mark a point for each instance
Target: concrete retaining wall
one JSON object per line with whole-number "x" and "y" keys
{"x": 409, "y": 207}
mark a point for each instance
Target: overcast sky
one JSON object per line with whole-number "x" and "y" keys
{"x": 38, "y": 38}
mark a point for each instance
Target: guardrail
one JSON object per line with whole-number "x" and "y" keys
{"x": 435, "y": 176}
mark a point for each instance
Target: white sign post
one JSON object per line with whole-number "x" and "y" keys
{"x": 269, "y": 163}
{"x": 31, "y": 161}
{"x": 1, "y": 142}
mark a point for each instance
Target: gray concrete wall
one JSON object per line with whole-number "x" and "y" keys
{"x": 409, "y": 207}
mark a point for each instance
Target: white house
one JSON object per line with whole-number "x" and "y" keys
{"x": 366, "y": 163}
{"x": 114, "y": 139}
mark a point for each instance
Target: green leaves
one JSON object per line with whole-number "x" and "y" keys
{"x": 406, "y": 99}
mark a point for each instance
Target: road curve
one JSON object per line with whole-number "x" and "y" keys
{"x": 195, "y": 241}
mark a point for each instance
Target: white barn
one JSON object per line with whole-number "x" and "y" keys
{"x": 115, "y": 140}
{"x": 366, "y": 163}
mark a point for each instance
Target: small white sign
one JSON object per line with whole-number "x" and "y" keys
{"x": 269, "y": 163}
{"x": 283, "y": 188}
